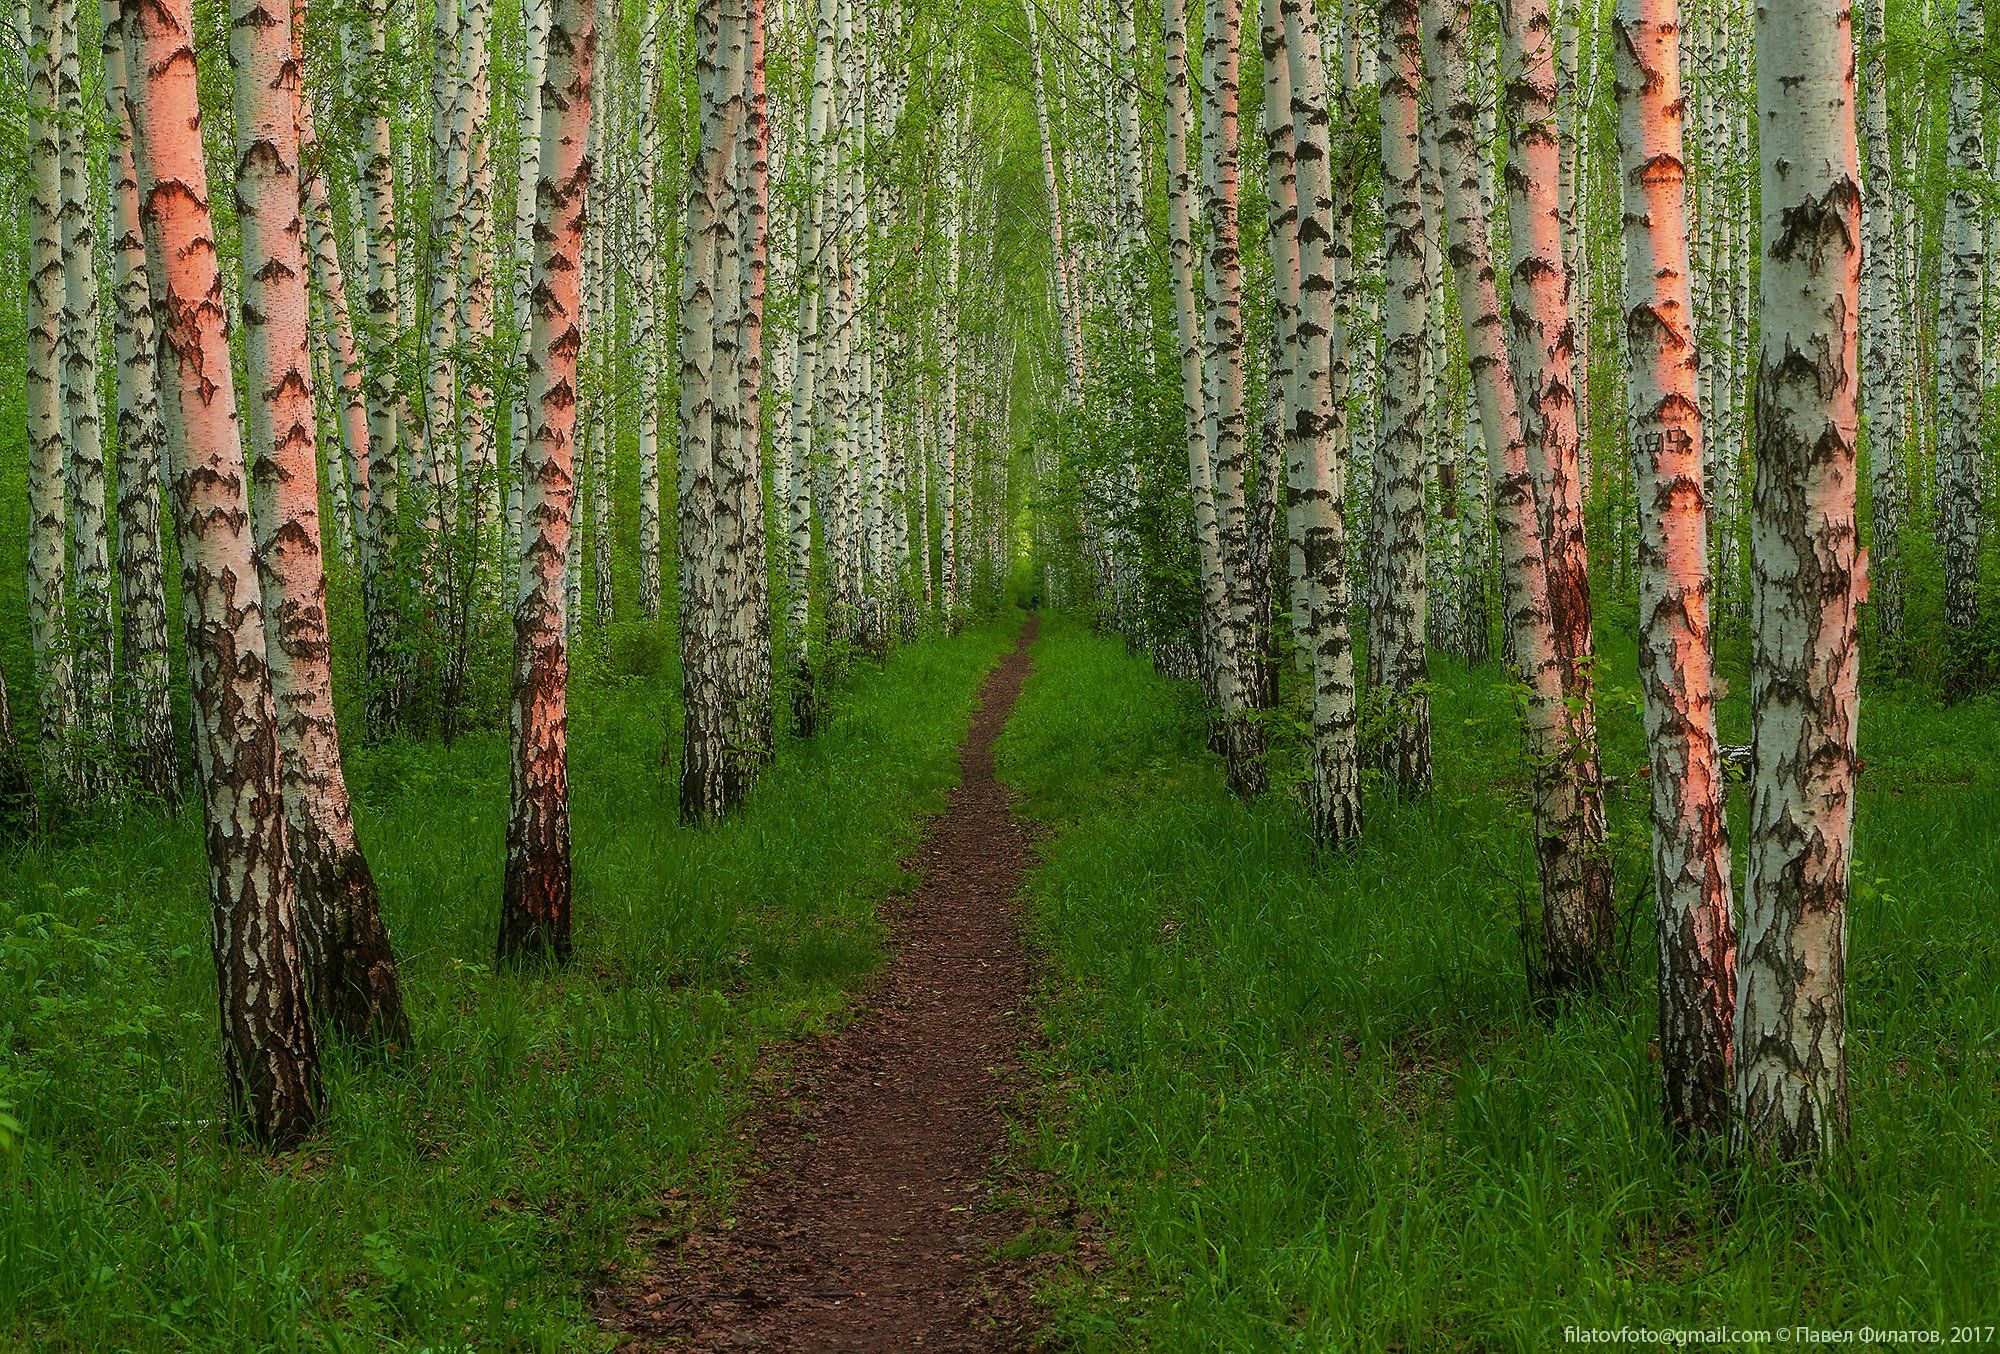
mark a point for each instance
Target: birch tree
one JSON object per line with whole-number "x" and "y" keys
{"x": 1807, "y": 580}
{"x": 1398, "y": 598}
{"x": 1695, "y": 926}
{"x": 1577, "y": 915}
{"x": 1960, "y": 370}
{"x": 270, "y": 1051}
{"x": 535, "y": 904}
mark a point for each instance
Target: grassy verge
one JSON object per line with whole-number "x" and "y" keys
{"x": 466, "y": 1198}
{"x": 1305, "y": 1103}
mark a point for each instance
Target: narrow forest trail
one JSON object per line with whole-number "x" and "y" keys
{"x": 868, "y": 1226}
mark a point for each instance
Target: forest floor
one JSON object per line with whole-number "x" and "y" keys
{"x": 475, "y": 1194}
{"x": 874, "y": 1222}
{"x": 1298, "y": 1100}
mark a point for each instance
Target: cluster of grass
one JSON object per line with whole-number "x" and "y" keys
{"x": 466, "y": 1197}
{"x": 1306, "y": 1104}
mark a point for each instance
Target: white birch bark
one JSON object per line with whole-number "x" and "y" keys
{"x": 1808, "y": 579}
{"x": 1960, "y": 369}
{"x": 1398, "y": 600}
{"x": 146, "y": 726}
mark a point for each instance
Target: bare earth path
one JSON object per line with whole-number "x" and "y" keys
{"x": 869, "y": 1227}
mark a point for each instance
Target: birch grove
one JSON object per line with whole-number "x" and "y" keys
{"x": 722, "y": 356}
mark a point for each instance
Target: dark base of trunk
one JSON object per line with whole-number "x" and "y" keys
{"x": 1243, "y": 750}
{"x": 272, "y": 1060}
{"x": 355, "y": 988}
{"x": 535, "y": 908}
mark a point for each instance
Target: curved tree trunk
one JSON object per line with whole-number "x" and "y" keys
{"x": 270, "y": 1052}
{"x": 350, "y": 967}
{"x": 535, "y": 906}
{"x": 1807, "y": 582}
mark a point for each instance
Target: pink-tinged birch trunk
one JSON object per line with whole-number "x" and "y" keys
{"x": 1691, "y": 895}
{"x": 535, "y": 908}
{"x": 270, "y": 1052}
{"x": 1577, "y": 914}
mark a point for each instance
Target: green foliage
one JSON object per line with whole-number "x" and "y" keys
{"x": 1306, "y": 1098}
{"x": 467, "y": 1197}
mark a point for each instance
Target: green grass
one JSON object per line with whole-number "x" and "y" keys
{"x": 470, "y": 1196}
{"x": 1305, "y": 1104}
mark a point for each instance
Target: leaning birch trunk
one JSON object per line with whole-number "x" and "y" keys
{"x": 1544, "y": 363}
{"x": 1807, "y": 581}
{"x": 270, "y": 1052}
{"x": 147, "y": 728}
{"x": 1577, "y": 915}
{"x": 1315, "y": 477}
{"x": 1880, "y": 305}
{"x": 350, "y": 967}
{"x": 646, "y": 304}
{"x": 1960, "y": 372}
{"x": 1218, "y": 634}
{"x": 535, "y": 905}
{"x": 48, "y": 509}
{"x": 1398, "y": 594}
{"x": 83, "y": 430}
{"x": 1222, "y": 346}
{"x": 1691, "y": 897}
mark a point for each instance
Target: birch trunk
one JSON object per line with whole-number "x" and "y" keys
{"x": 1577, "y": 915}
{"x": 1880, "y": 305}
{"x": 1222, "y": 346}
{"x": 92, "y": 630}
{"x": 1398, "y": 600}
{"x": 1960, "y": 388}
{"x": 1315, "y": 477}
{"x": 714, "y": 776}
{"x": 376, "y": 170}
{"x": 1695, "y": 927}
{"x": 528, "y": 132}
{"x": 147, "y": 727}
{"x": 270, "y": 1052}
{"x": 646, "y": 306}
{"x": 535, "y": 906}
{"x": 1807, "y": 582}
{"x": 1544, "y": 359}
{"x": 1217, "y": 629}
{"x": 350, "y": 967}
{"x": 48, "y": 509}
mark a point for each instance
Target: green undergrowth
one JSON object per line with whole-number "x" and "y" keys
{"x": 1300, "y": 1101}
{"x": 468, "y": 1197}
